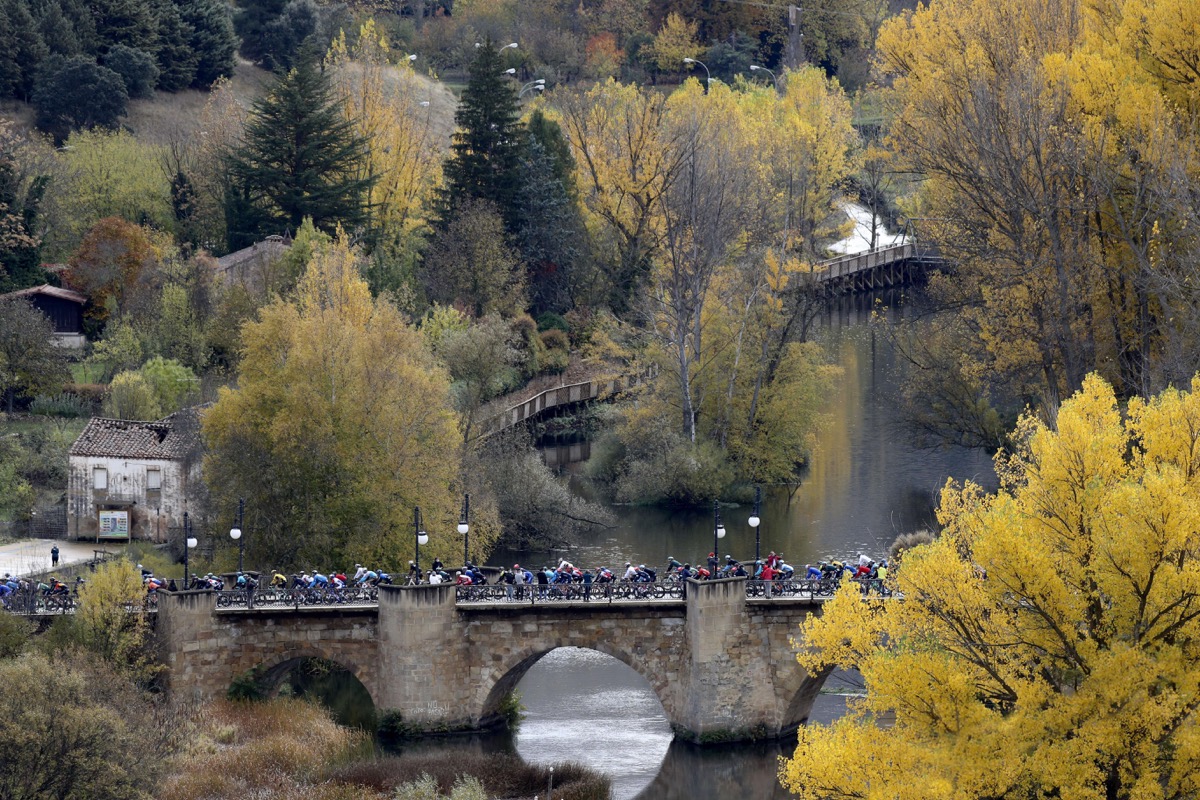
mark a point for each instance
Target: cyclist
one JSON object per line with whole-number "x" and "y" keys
{"x": 672, "y": 565}
{"x": 278, "y": 581}
{"x": 630, "y": 572}
{"x": 786, "y": 570}
{"x": 462, "y": 579}
{"x": 5, "y": 591}
{"x": 814, "y": 573}
{"x": 359, "y": 572}
{"x": 369, "y": 577}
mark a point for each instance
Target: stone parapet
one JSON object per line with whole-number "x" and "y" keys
{"x": 723, "y": 668}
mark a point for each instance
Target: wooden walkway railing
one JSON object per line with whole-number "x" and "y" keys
{"x": 594, "y": 389}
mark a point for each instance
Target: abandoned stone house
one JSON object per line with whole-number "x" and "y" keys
{"x": 254, "y": 267}
{"x": 133, "y": 480}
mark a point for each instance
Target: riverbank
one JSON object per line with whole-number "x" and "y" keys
{"x": 293, "y": 749}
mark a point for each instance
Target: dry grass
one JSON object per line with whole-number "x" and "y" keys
{"x": 503, "y": 775}
{"x": 280, "y": 749}
{"x": 166, "y": 118}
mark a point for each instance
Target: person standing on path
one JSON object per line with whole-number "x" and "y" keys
{"x": 54, "y": 556}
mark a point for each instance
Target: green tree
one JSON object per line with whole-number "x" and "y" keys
{"x": 23, "y": 49}
{"x": 485, "y": 157}
{"x": 482, "y": 359}
{"x": 340, "y": 424}
{"x": 212, "y": 39}
{"x": 301, "y": 158}
{"x": 30, "y": 363}
{"x": 251, "y": 22}
{"x": 130, "y": 396}
{"x": 105, "y": 174}
{"x": 136, "y": 68}
{"x": 128, "y": 22}
{"x": 176, "y": 57}
{"x": 75, "y": 93}
{"x": 173, "y": 384}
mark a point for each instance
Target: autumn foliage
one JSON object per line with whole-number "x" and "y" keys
{"x": 1048, "y": 643}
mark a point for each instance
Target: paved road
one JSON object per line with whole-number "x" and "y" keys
{"x": 31, "y": 556}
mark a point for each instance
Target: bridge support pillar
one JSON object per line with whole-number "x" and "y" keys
{"x": 731, "y": 692}
{"x": 424, "y": 663}
{"x": 184, "y": 636}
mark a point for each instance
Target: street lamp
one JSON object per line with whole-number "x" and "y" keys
{"x": 512, "y": 45}
{"x": 708, "y": 78}
{"x": 235, "y": 532}
{"x": 510, "y": 71}
{"x": 421, "y": 536}
{"x": 718, "y": 534}
{"x": 756, "y": 521}
{"x": 464, "y": 528}
{"x": 189, "y": 542}
{"x": 539, "y": 86}
{"x": 774, "y": 80}
{"x": 413, "y": 57}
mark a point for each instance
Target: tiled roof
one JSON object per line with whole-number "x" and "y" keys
{"x": 170, "y": 438}
{"x": 50, "y": 291}
{"x": 265, "y": 251}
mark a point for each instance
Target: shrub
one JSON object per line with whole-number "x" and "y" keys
{"x": 136, "y": 68}
{"x": 92, "y": 393}
{"x": 556, "y": 356}
{"x": 73, "y": 728}
{"x": 61, "y": 405}
{"x": 551, "y": 321}
{"x": 74, "y": 93}
{"x": 132, "y": 397}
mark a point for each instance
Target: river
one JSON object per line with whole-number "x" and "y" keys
{"x": 866, "y": 484}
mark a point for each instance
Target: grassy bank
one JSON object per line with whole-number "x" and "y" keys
{"x": 288, "y": 749}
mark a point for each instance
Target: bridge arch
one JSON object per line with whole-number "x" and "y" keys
{"x": 275, "y": 667}
{"x": 508, "y": 672}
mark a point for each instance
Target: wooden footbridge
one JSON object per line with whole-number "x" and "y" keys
{"x": 884, "y": 268}
{"x": 596, "y": 389}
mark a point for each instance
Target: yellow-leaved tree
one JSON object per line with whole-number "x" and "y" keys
{"x": 340, "y": 425}
{"x": 1048, "y": 643}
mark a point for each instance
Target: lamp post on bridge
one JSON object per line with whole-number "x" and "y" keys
{"x": 235, "y": 532}
{"x": 718, "y": 534}
{"x": 756, "y": 522}
{"x": 464, "y": 528}
{"x": 421, "y": 538}
{"x": 188, "y": 543}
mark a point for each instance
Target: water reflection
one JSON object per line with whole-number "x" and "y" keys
{"x": 584, "y": 706}
{"x": 866, "y": 483}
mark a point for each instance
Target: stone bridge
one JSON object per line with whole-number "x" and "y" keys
{"x": 722, "y": 664}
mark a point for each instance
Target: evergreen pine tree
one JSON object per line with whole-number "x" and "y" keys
{"x": 23, "y": 45}
{"x": 301, "y": 158}
{"x": 128, "y": 22}
{"x": 58, "y": 31}
{"x": 251, "y": 22}
{"x": 177, "y": 60}
{"x": 549, "y": 232}
{"x": 485, "y": 157}
{"x": 212, "y": 40}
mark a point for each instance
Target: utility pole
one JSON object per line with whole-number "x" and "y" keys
{"x": 793, "y": 57}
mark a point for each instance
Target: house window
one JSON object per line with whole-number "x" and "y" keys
{"x": 153, "y": 479}
{"x": 100, "y": 478}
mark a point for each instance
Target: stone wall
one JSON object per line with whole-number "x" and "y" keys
{"x": 205, "y": 650}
